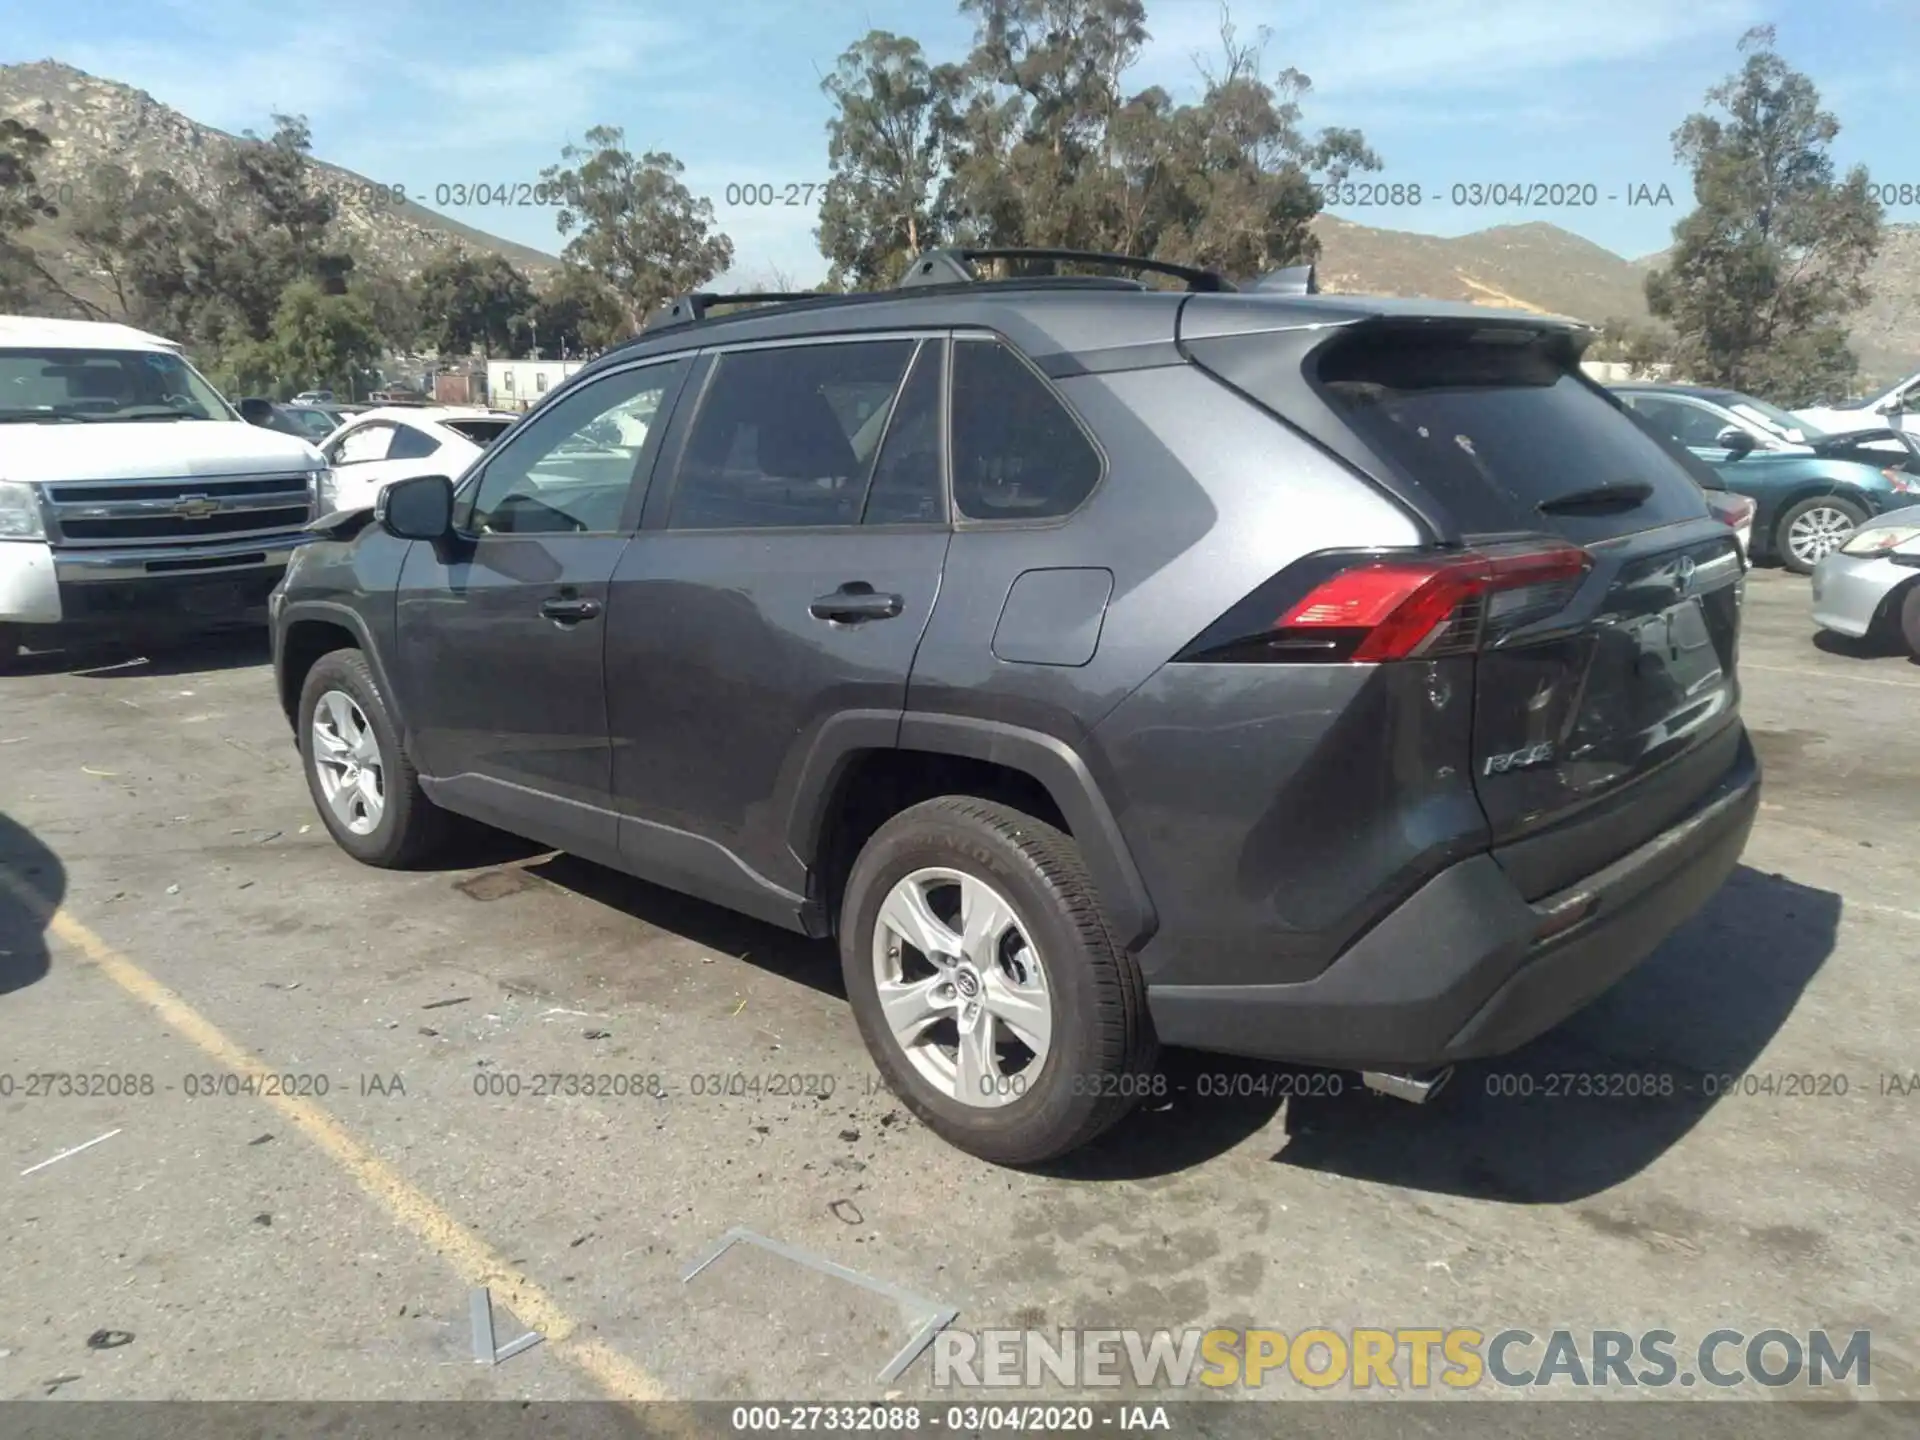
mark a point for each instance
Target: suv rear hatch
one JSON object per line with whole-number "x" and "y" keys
{"x": 1574, "y": 557}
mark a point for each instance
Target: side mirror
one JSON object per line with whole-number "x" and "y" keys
{"x": 1735, "y": 441}
{"x": 256, "y": 411}
{"x": 1891, "y": 407}
{"x": 416, "y": 509}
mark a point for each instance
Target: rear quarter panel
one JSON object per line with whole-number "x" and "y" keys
{"x": 1204, "y": 498}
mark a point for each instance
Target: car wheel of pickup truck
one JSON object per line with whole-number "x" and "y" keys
{"x": 367, "y": 792}
{"x": 986, "y": 984}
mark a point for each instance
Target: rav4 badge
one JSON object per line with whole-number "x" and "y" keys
{"x": 1519, "y": 759}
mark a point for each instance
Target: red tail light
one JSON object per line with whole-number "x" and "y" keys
{"x": 1731, "y": 509}
{"x": 1395, "y": 607}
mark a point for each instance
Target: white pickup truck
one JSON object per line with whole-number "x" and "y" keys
{"x": 133, "y": 497}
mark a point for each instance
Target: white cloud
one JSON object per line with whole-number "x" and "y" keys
{"x": 1434, "y": 46}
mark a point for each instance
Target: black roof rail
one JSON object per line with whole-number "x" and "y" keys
{"x": 686, "y": 309}
{"x": 949, "y": 265}
{"x": 1294, "y": 280}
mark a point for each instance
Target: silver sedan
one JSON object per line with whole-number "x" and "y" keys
{"x": 1871, "y": 584}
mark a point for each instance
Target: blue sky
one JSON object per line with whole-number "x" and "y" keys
{"x": 428, "y": 93}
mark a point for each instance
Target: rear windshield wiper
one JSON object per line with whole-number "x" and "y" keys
{"x": 1598, "y": 499}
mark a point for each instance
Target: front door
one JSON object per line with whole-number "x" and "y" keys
{"x": 502, "y": 634}
{"x": 786, "y": 578}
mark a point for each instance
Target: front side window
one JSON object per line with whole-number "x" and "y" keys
{"x": 1690, "y": 424}
{"x": 572, "y": 469}
{"x": 787, "y": 437}
{"x": 1017, "y": 453}
{"x": 362, "y": 445}
{"x": 103, "y": 386}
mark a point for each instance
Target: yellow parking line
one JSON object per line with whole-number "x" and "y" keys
{"x": 476, "y": 1261}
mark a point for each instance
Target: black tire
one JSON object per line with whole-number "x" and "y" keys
{"x": 9, "y": 648}
{"x": 1782, "y": 545}
{"x": 1910, "y": 620}
{"x": 1100, "y": 1059}
{"x": 411, "y": 827}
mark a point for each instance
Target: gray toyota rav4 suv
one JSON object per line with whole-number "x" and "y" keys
{"x": 1328, "y": 679}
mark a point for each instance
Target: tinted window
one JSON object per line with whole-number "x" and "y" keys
{"x": 787, "y": 437}
{"x": 411, "y": 444}
{"x": 1704, "y": 475}
{"x": 1017, "y": 453}
{"x": 906, "y": 485}
{"x": 314, "y": 425}
{"x": 1492, "y": 428}
{"x": 481, "y": 432}
{"x": 572, "y": 469}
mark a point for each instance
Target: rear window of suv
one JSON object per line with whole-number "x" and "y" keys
{"x": 1492, "y": 422}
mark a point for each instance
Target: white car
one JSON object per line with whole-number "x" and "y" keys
{"x": 1895, "y": 409}
{"x": 133, "y": 497}
{"x": 376, "y": 447}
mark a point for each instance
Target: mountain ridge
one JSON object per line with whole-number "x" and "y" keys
{"x": 1532, "y": 265}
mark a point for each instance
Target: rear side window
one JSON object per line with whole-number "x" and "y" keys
{"x": 787, "y": 437}
{"x": 481, "y": 432}
{"x": 1493, "y": 428}
{"x": 411, "y": 444}
{"x": 1017, "y": 453}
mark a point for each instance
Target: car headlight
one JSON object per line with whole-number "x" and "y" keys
{"x": 20, "y": 517}
{"x": 1880, "y": 540}
{"x": 326, "y": 492}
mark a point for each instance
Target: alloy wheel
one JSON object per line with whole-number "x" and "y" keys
{"x": 1817, "y": 533}
{"x": 347, "y": 761}
{"x": 962, "y": 987}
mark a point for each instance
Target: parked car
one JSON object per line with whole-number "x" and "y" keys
{"x": 314, "y": 397}
{"x": 132, "y": 497}
{"x": 1870, "y": 586}
{"x": 315, "y": 422}
{"x": 378, "y": 446}
{"x": 1103, "y": 666}
{"x": 309, "y": 422}
{"x": 1810, "y": 488}
{"x": 1733, "y": 510}
{"x": 1896, "y": 408}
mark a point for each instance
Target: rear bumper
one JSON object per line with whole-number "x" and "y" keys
{"x": 1848, "y": 590}
{"x": 1465, "y": 968}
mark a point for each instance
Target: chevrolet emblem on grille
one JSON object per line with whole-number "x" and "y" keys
{"x": 196, "y": 507}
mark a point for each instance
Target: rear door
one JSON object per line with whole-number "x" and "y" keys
{"x": 1606, "y": 705}
{"x": 784, "y": 579}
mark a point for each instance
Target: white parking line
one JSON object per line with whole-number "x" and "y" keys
{"x": 1832, "y": 675}
{"x": 1886, "y": 910}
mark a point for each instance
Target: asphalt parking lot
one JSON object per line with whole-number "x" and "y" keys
{"x": 170, "y": 909}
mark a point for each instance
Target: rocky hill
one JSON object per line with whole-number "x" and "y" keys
{"x": 91, "y": 120}
{"x": 1531, "y": 266}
